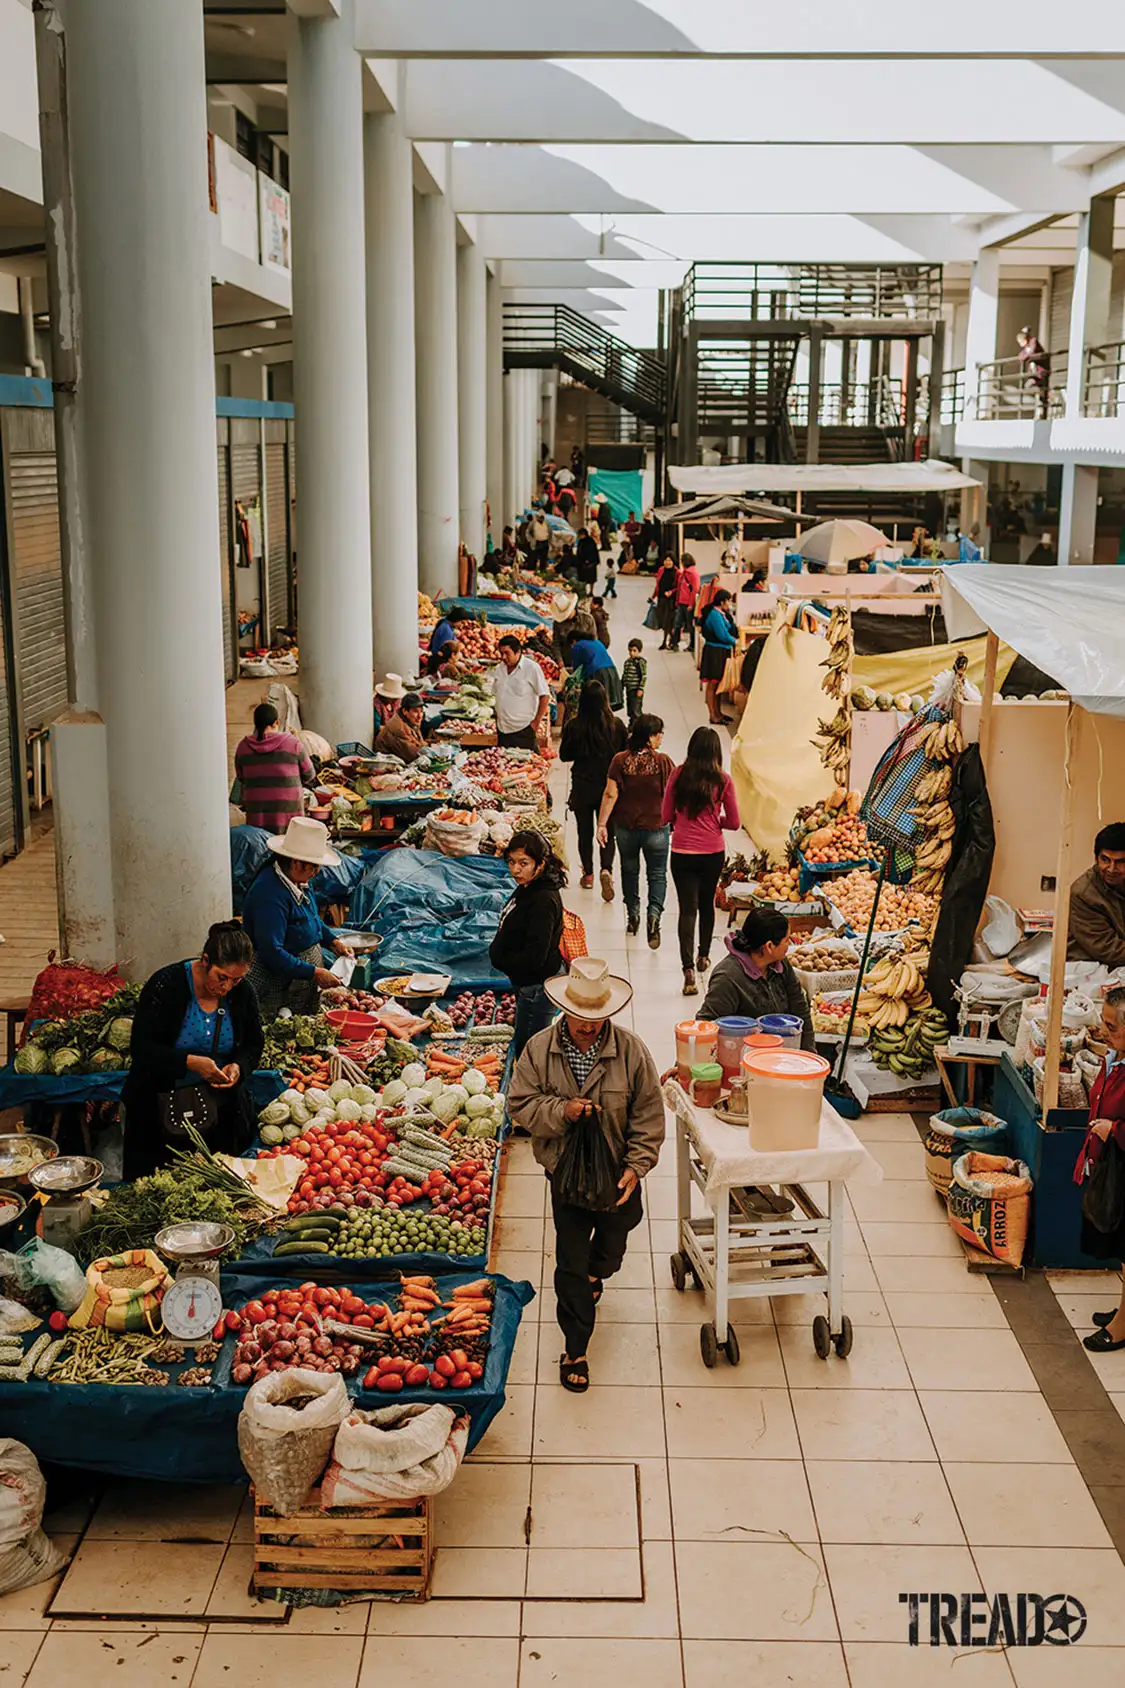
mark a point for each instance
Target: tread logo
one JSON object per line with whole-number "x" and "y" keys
{"x": 998, "y": 1620}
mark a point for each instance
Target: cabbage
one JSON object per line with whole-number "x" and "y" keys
{"x": 369, "y": 1112}
{"x": 291, "y": 1096}
{"x": 363, "y": 1094}
{"x": 317, "y": 1099}
{"x": 433, "y": 1087}
{"x": 119, "y": 1033}
{"x": 446, "y": 1107}
{"x": 457, "y": 1090}
{"x": 416, "y": 1097}
{"x": 341, "y": 1091}
{"x": 413, "y": 1074}
{"x": 274, "y": 1113}
{"x": 499, "y": 1101}
{"x": 271, "y": 1135}
{"x": 474, "y": 1082}
{"x": 290, "y": 1133}
{"x": 347, "y": 1109}
{"x": 105, "y": 1061}
{"x": 477, "y": 1106}
{"x": 298, "y": 1110}
{"x": 31, "y": 1059}
{"x": 65, "y": 1061}
{"x": 394, "y": 1092}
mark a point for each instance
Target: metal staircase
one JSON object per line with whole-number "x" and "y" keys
{"x": 557, "y": 337}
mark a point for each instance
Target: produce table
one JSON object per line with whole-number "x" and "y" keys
{"x": 434, "y": 913}
{"x": 18, "y": 1089}
{"x": 502, "y": 611}
{"x": 191, "y": 1435}
{"x": 740, "y": 1251}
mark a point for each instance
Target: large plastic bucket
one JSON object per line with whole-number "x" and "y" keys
{"x": 695, "y": 1043}
{"x": 784, "y": 1088}
{"x": 733, "y": 1032}
{"x": 787, "y": 1027}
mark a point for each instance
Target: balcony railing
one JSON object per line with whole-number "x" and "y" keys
{"x": 1007, "y": 392}
{"x": 861, "y": 404}
{"x": 1104, "y": 387}
{"x": 778, "y": 292}
{"x": 539, "y": 336}
{"x": 952, "y": 396}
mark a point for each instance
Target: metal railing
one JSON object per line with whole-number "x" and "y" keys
{"x": 742, "y": 383}
{"x": 541, "y": 336}
{"x": 1007, "y": 392}
{"x": 772, "y": 292}
{"x": 1103, "y": 390}
{"x": 952, "y": 395}
{"x": 860, "y": 404}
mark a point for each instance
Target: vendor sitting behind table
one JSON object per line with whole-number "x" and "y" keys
{"x": 1097, "y": 903}
{"x": 196, "y": 1023}
{"x": 282, "y": 918}
{"x": 754, "y": 978}
{"x": 403, "y": 735}
{"x": 445, "y": 629}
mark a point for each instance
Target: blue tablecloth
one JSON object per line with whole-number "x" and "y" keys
{"x": 501, "y": 611}
{"x": 18, "y": 1089}
{"x": 191, "y": 1435}
{"x": 435, "y": 913}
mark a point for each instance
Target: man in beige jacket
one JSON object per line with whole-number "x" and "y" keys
{"x": 586, "y": 1069}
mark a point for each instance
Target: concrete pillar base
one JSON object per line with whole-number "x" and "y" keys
{"x": 83, "y": 851}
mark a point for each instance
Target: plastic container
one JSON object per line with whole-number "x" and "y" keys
{"x": 733, "y": 1032}
{"x": 695, "y": 1043}
{"x": 705, "y": 1084}
{"x": 759, "y": 1040}
{"x": 788, "y": 1027}
{"x": 785, "y": 1088}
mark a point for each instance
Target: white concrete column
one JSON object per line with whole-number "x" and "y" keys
{"x": 389, "y": 177}
{"x": 472, "y": 394}
{"x": 494, "y": 423}
{"x": 533, "y": 426}
{"x": 549, "y": 410}
{"x": 330, "y": 376}
{"x": 1089, "y": 326}
{"x": 521, "y": 439}
{"x": 980, "y": 334}
{"x": 435, "y": 306}
{"x": 1078, "y": 513}
{"x": 140, "y": 197}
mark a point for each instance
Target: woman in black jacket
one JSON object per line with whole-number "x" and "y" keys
{"x": 526, "y": 945}
{"x": 197, "y": 1023}
{"x": 754, "y": 978}
{"x": 590, "y": 742}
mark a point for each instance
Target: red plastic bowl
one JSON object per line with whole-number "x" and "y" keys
{"x": 351, "y": 1026}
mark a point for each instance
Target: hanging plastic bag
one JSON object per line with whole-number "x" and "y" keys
{"x": 586, "y": 1174}
{"x": 394, "y": 1453}
{"x": 1001, "y": 931}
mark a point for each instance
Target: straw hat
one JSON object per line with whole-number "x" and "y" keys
{"x": 589, "y": 991}
{"x": 305, "y": 840}
{"x": 391, "y": 687}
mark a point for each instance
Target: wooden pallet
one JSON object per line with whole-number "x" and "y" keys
{"x": 924, "y": 1098}
{"x": 386, "y": 1548}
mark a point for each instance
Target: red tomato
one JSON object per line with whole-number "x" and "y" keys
{"x": 444, "y": 1365}
{"x": 371, "y": 1378}
{"x": 233, "y": 1320}
{"x": 460, "y": 1359}
{"x": 389, "y": 1382}
{"x": 475, "y": 1370}
{"x": 463, "y": 1380}
{"x": 364, "y": 1319}
{"x": 321, "y": 1296}
{"x": 417, "y": 1377}
{"x": 255, "y": 1312}
{"x": 436, "y": 1380}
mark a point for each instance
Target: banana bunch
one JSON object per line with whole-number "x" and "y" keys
{"x": 934, "y": 784}
{"x": 943, "y": 742}
{"x": 838, "y": 660}
{"x": 908, "y": 1048}
{"x": 834, "y": 742}
{"x": 893, "y": 990}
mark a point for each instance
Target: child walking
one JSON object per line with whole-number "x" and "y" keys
{"x": 633, "y": 677}
{"x": 610, "y": 576}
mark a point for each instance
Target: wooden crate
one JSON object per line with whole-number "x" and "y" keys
{"x": 386, "y": 1548}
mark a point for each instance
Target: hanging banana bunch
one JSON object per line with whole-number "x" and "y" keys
{"x": 834, "y": 737}
{"x": 943, "y": 743}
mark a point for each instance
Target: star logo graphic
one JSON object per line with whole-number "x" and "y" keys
{"x": 1065, "y": 1620}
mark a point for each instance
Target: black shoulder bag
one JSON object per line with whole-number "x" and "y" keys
{"x": 196, "y": 1105}
{"x": 1103, "y": 1192}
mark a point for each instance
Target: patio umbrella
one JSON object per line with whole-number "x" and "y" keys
{"x": 840, "y": 541}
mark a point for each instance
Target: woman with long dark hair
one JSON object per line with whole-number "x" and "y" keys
{"x": 700, "y": 805}
{"x": 720, "y": 641}
{"x": 589, "y": 743}
{"x": 664, "y": 597}
{"x": 634, "y": 793}
{"x": 526, "y": 945}
{"x": 272, "y": 768}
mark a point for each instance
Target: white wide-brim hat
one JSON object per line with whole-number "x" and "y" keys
{"x": 304, "y": 840}
{"x": 391, "y": 687}
{"x": 589, "y": 991}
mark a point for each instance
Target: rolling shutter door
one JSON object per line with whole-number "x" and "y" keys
{"x": 294, "y": 580}
{"x": 1062, "y": 291}
{"x": 225, "y": 562}
{"x": 9, "y": 830}
{"x": 246, "y": 488}
{"x": 277, "y": 534}
{"x": 37, "y": 587}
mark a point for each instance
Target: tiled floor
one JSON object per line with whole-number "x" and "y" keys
{"x": 688, "y": 1529}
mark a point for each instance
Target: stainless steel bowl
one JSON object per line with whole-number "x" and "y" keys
{"x": 67, "y": 1175}
{"x": 195, "y": 1239}
{"x": 13, "y": 1150}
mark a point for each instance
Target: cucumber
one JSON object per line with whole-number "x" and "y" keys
{"x": 302, "y": 1248}
{"x": 314, "y": 1236}
{"x": 309, "y": 1223}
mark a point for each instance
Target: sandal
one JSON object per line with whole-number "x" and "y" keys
{"x": 574, "y": 1375}
{"x": 598, "y": 1288}
{"x": 1100, "y": 1342}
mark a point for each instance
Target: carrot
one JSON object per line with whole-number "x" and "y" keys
{"x": 473, "y": 1289}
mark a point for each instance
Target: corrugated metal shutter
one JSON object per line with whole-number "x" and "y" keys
{"x": 37, "y": 587}
{"x": 294, "y": 578}
{"x": 1062, "y": 291}
{"x": 229, "y": 641}
{"x": 9, "y": 830}
{"x": 246, "y": 488}
{"x": 277, "y": 533}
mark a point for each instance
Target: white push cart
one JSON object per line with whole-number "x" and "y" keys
{"x": 763, "y": 1233}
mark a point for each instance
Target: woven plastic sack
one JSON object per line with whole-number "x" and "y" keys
{"x": 127, "y": 1308}
{"x": 65, "y": 988}
{"x": 394, "y": 1453}
{"x": 26, "y": 1555}
{"x": 455, "y": 838}
{"x": 990, "y": 1204}
{"x": 286, "y": 1429}
{"x": 957, "y": 1131}
{"x": 1072, "y": 1092}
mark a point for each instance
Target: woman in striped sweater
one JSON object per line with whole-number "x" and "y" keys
{"x": 272, "y": 769}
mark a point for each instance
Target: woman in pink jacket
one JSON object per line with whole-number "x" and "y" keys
{"x": 699, "y": 805}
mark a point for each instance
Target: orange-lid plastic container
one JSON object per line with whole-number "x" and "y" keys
{"x": 784, "y": 1089}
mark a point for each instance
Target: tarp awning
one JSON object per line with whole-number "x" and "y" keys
{"x": 731, "y": 507}
{"x": 1070, "y": 622}
{"x": 930, "y": 475}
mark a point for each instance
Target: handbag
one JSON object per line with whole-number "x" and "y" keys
{"x": 1103, "y": 1191}
{"x": 191, "y": 1104}
{"x": 652, "y": 618}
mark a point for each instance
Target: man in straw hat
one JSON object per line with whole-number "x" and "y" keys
{"x": 586, "y": 1073}
{"x": 280, "y": 913}
{"x": 389, "y": 694}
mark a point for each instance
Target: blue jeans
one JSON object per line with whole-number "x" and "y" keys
{"x": 685, "y": 615}
{"x": 610, "y": 586}
{"x": 534, "y": 1013}
{"x": 632, "y": 842}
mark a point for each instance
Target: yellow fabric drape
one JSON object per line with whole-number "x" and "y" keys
{"x": 774, "y": 764}
{"x": 914, "y": 671}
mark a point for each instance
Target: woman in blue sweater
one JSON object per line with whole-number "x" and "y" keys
{"x": 281, "y": 915}
{"x": 720, "y": 641}
{"x": 590, "y": 658}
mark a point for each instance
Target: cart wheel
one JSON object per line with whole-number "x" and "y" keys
{"x": 730, "y": 1346}
{"x": 821, "y": 1336}
{"x": 843, "y": 1342}
{"x": 679, "y": 1271}
{"x": 708, "y": 1345}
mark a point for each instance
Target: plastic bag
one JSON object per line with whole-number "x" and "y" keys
{"x": 286, "y": 1429}
{"x": 26, "y": 1555}
{"x": 15, "y": 1318}
{"x": 586, "y": 1173}
{"x": 40, "y": 1265}
{"x": 395, "y": 1453}
{"x": 1001, "y": 931}
{"x": 1103, "y": 1191}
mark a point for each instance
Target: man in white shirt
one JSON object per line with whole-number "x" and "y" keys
{"x": 521, "y": 695}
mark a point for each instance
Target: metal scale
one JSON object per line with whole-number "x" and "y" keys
{"x": 192, "y": 1304}
{"x": 976, "y": 1018}
{"x": 67, "y": 1182}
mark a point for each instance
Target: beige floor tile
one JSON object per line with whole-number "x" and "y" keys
{"x": 875, "y": 1362}
{"x": 1079, "y": 1308}
{"x": 903, "y": 1201}
{"x": 456, "y": 1618}
{"x": 656, "y": 1504}
{"x": 859, "y": 1275}
{"x": 583, "y": 1573}
{"x": 689, "y": 1307}
{"x": 740, "y": 1500}
{"x": 765, "y": 1664}
{"x": 118, "y": 1578}
{"x": 613, "y": 1422}
{"x": 1085, "y": 1283}
{"x": 136, "y": 1511}
{"x": 1037, "y": 1506}
{"x": 889, "y": 1502}
{"x": 1047, "y": 1667}
{"x": 883, "y": 1664}
{"x": 277, "y": 1661}
{"x": 520, "y": 1158}
{"x": 1108, "y": 1367}
{"x": 898, "y": 1274}
{"x": 18, "y": 1649}
{"x": 656, "y": 1664}
{"x": 664, "y": 1236}
{"x": 26, "y": 1608}
{"x": 1119, "y": 1403}
{"x": 479, "y": 1573}
{"x": 900, "y": 1161}
{"x": 618, "y": 1306}
{"x": 970, "y": 1311}
{"x": 519, "y": 1234}
{"x": 231, "y": 1596}
{"x": 509, "y": 1434}
{"x": 522, "y": 1266}
{"x": 618, "y": 1354}
{"x": 753, "y": 1591}
{"x": 660, "y": 1199}
{"x": 892, "y": 1237}
{"x": 523, "y": 1196}
{"x": 760, "y": 1366}
{"x": 591, "y": 1506}
{"x": 122, "y": 1660}
{"x": 636, "y": 1269}
{"x": 863, "y": 1307}
{"x": 730, "y": 1424}
{"x": 886, "y": 1128}
{"x": 525, "y": 1355}
{"x": 997, "y": 1429}
{"x": 867, "y": 1580}
{"x": 841, "y": 1424}
{"x": 978, "y": 1360}
{"x": 480, "y": 1662}
{"x": 655, "y": 1617}
{"x": 486, "y": 1506}
{"x": 1096, "y": 1576}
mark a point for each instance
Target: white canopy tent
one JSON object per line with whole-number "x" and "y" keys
{"x": 930, "y": 475}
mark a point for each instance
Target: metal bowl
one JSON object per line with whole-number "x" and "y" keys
{"x": 67, "y": 1175}
{"x": 12, "y": 1209}
{"x": 13, "y": 1149}
{"x": 195, "y": 1239}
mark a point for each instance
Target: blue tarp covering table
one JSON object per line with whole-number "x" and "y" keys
{"x": 502, "y": 611}
{"x": 191, "y": 1435}
{"x": 19, "y": 1089}
{"x": 434, "y": 913}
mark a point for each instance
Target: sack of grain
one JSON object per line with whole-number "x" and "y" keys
{"x": 955, "y": 1132}
{"x": 286, "y": 1429}
{"x": 990, "y": 1204}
